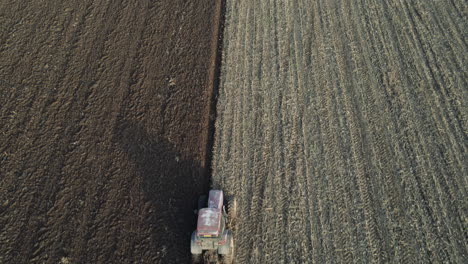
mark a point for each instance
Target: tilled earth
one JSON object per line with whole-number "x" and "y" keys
{"x": 104, "y": 122}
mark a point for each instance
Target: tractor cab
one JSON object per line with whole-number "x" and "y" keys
{"x": 210, "y": 220}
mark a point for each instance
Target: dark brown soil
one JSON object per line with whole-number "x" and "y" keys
{"x": 104, "y": 122}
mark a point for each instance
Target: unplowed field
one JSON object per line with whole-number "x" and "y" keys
{"x": 104, "y": 117}
{"x": 342, "y": 129}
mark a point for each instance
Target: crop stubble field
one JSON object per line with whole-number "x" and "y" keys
{"x": 104, "y": 122}
{"x": 341, "y": 127}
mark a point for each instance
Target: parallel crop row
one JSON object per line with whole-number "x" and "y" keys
{"x": 341, "y": 129}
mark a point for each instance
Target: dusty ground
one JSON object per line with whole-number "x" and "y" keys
{"x": 104, "y": 113}
{"x": 342, "y": 129}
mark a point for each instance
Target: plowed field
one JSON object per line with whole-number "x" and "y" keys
{"x": 342, "y": 129}
{"x": 104, "y": 119}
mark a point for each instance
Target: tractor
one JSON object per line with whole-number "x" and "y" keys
{"x": 213, "y": 240}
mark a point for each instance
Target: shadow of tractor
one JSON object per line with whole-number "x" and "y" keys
{"x": 171, "y": 185}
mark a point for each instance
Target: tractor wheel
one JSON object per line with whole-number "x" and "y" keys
{"x": 229, "y": 258}
{"x": 232, "y": 208}
{"x": 196, "y": 258}
{"x": 202, "y": 202}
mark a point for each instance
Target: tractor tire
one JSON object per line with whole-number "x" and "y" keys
{"x": 202, "y": 202}
{"x": 194, "y": 248}
{"x": 229, "y": 257}
{"x": 196, "y": 258}
{"x": 232, "y": 208}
